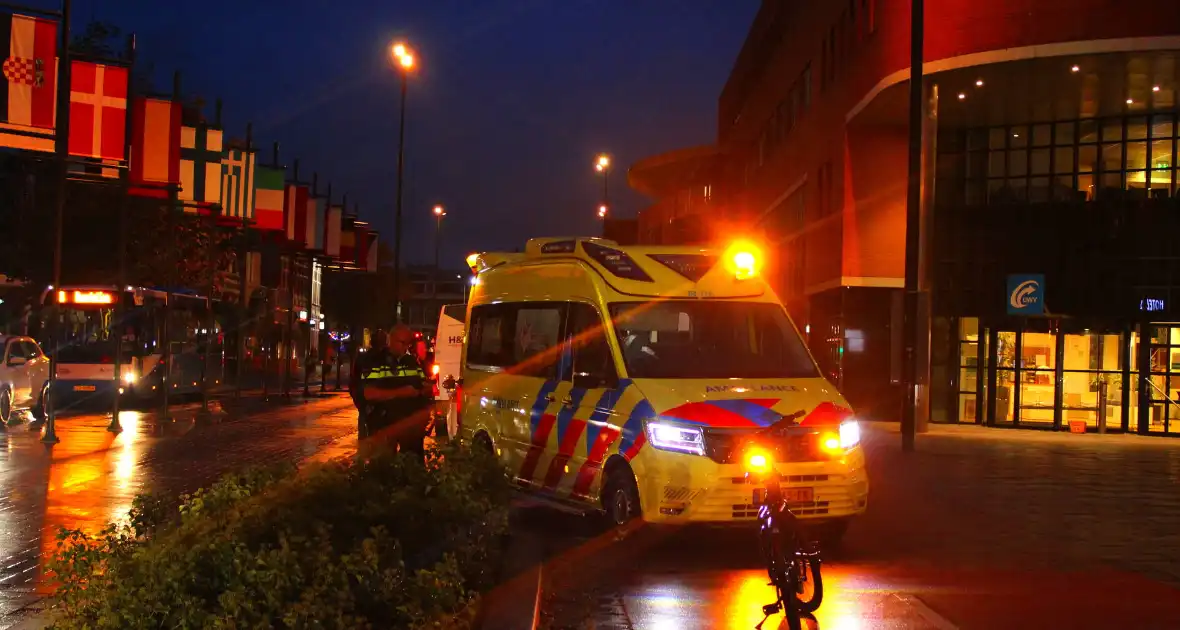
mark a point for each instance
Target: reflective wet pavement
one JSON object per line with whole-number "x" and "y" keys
{"x": 91, "y": 476}
{"x": 980, "y": 528}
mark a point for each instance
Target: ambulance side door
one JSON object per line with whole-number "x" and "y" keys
{"x": 596, "y": 390}
{"x": 530, "y": 407}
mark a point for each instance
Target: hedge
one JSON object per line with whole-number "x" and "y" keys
{"x": 380, "y": 542}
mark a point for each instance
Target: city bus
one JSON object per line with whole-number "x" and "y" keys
{"x": 89, "y": 333}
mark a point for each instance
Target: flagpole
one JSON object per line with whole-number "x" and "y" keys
{"x": 173, "y": 203}
{"x": 124, "y": 207}
{"x": 61, "y": 148}
{"x": 243, "y": 297}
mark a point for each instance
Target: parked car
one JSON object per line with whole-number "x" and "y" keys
{"x": 24, "y": 377}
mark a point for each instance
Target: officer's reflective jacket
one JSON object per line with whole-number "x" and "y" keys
{"x": 381, "y": 369}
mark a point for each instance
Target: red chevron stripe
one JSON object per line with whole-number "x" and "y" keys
{"x": 593, "y": 466}
{"x": 565, "y": 450}
{"x": 634, "y": 450}
{"x": 540, "y": 440}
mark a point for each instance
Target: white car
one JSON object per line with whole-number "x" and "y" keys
{"x": 24, "y": 377}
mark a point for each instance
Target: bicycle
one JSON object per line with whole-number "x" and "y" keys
{"x": 792, "y": 558}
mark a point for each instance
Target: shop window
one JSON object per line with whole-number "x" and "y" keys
{"x": 1137, "y": 155}
{"x": 1163, "y": 126}
{"x": 1137, "y": 128}
{"x": 1017, "y": 163}
{"x": 1112, "y": 130}
{"x": 1042, "y": 135}
{"x": 1112, "y": 157}
{"x": 1087, "y": 158}
{"x": 1064, "y": 133}
{"x": 1018, "y": 138}
{"x": 1063, "y": 160}
{"x": 1039, "y": 164}
{"x": 972, "y": 370}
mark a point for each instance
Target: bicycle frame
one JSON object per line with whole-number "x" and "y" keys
{"x": 781, "y": 540}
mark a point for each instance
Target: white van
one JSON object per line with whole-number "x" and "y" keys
{"x": 448, "y": 347}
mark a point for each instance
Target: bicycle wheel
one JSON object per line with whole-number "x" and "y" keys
{"x": 809, "y": 584}
{"x": 791, "y": 606}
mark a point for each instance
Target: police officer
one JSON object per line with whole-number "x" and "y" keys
{"x": 364, "y": 363}
{"x": 394, "y": 392}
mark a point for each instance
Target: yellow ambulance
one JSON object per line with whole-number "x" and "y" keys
{"x": 625, "y": 379}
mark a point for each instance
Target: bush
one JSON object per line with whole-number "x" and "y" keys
{"x": 378, "y": 543}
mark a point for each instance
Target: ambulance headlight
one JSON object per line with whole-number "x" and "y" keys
{"x": 849, "y": 434}
{"x": 674, "y": 437}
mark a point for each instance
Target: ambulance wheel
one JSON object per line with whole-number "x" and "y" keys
{"x": 620, "y": 496}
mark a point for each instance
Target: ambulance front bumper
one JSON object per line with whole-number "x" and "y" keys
{"x": 817, "y": 491}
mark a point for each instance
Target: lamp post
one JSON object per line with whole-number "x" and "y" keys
{"x": 602, "y": 165}
{"x": 439, "y": 213}
{"x": 403, "y": 58}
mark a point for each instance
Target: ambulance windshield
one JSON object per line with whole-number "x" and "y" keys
{"x": 709, "y": 339}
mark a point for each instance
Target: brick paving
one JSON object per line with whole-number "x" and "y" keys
{"x": 980, "y": 526}
{"x": 998, "y": 496}
{"x": 91, "y": 476}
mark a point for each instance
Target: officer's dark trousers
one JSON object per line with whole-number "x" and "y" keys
{"x": 411, "y": 435}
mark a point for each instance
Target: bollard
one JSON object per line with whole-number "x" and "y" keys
{"x": 49, "y": 433}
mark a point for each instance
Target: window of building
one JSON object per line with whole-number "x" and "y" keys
{"x": 1075, "y": 160}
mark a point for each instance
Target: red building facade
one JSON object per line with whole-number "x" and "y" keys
{"x": 811, "y": 154}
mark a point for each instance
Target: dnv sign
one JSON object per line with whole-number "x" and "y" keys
{"x": 1026, "y": 294}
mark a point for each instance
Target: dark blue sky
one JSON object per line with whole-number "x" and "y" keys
{"x": 512, "y": 100}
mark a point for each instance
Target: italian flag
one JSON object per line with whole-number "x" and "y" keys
{"x": 268, "y": 198}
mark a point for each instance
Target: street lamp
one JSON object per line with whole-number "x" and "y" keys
{"x": 602, "y": 211}
{"x": 403, "y": 59}
{"x": 602, "y": 165}
{"x": 439, "y": 213}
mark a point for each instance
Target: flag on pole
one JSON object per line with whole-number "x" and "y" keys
{"x": 362, "y": 245}
{"x": 268, "y": 198}
{"x": 347, "y": 241}
{"x": 98, "y": 111}
{"x": 28, "y": 102}
{"x": 200, "y": 166}
{"x": 295, "y": 213}
{"x": 237, "y": 183}
{"x": 315, "y": 223}
{"x": 155, "y": 146}
{"x": 332, "y": 230}
{"x": 370, "y": 262}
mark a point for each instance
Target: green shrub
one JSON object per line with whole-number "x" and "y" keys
{"x": 378, "y": 543}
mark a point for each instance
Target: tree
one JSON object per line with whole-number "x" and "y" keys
{"x": 98, "y": 39}
{"x": 103, "y": 40}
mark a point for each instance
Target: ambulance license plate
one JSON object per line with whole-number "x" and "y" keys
{"x": 83, "y": 388}
{"x": 793, "y": 495}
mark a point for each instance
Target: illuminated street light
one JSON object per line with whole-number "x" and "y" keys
{"x": 602, "y": 165}
{"x": 404, "y": 58}
{"x": 439, "y": 213}
{"x": 602, "y": 211}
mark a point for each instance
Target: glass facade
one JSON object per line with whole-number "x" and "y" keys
{"x": 1128, "y": 157}
{"x": 1054, "y": 374}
